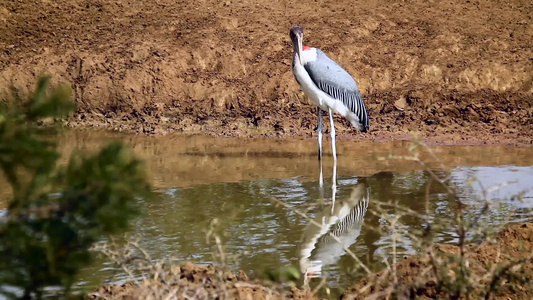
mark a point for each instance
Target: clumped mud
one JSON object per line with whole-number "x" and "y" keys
{"x": 191, "y": 281}
{"x": 415, "y": 278}
{"x": 455, "y": 71}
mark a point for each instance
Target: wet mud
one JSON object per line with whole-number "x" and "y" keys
{"x": 457, "y": 72}
{"x": 198, "y": 282}
{"x": 514, "y": 243}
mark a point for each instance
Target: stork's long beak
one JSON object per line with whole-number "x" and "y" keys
{"x": 299, "y": 48}
{"x": 297, "y": 36}
{"x": 297, "y": 44}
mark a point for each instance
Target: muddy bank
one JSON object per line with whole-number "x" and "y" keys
{"x": 208, "y": 282}
{"x": 197, "y": 282}
{"x": 458, "y": 72}
{"x": 416, "y": 279}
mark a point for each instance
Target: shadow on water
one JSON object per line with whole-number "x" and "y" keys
{"x": 201, "y": 178}
{"x": 184, "y": 161}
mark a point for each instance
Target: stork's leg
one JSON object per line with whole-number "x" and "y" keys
{"x": 319, "y": 130}
{"x": 333, "y": 146}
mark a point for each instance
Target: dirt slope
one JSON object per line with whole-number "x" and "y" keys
{"x": 459, "y": 71}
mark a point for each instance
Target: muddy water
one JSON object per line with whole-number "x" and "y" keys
{"x": 198, "y": 179}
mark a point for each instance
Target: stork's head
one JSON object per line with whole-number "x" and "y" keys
{"x": 297, "y": 35}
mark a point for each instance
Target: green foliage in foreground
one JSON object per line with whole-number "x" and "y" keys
{"x": 56, "y": 214}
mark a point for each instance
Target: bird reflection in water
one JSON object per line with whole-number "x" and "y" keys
{"x": 333, "y": 229}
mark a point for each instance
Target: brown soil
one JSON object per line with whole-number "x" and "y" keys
{"x": 456, "y": 71}
{"x": 190, "y": 281}
{"x": 513, "y": 243}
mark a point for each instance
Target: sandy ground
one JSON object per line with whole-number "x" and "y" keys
{"x": 207, "y": 282}
{"x": 455, "y": 71}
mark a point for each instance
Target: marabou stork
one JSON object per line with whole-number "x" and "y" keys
{"x": 328, "y": 85}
